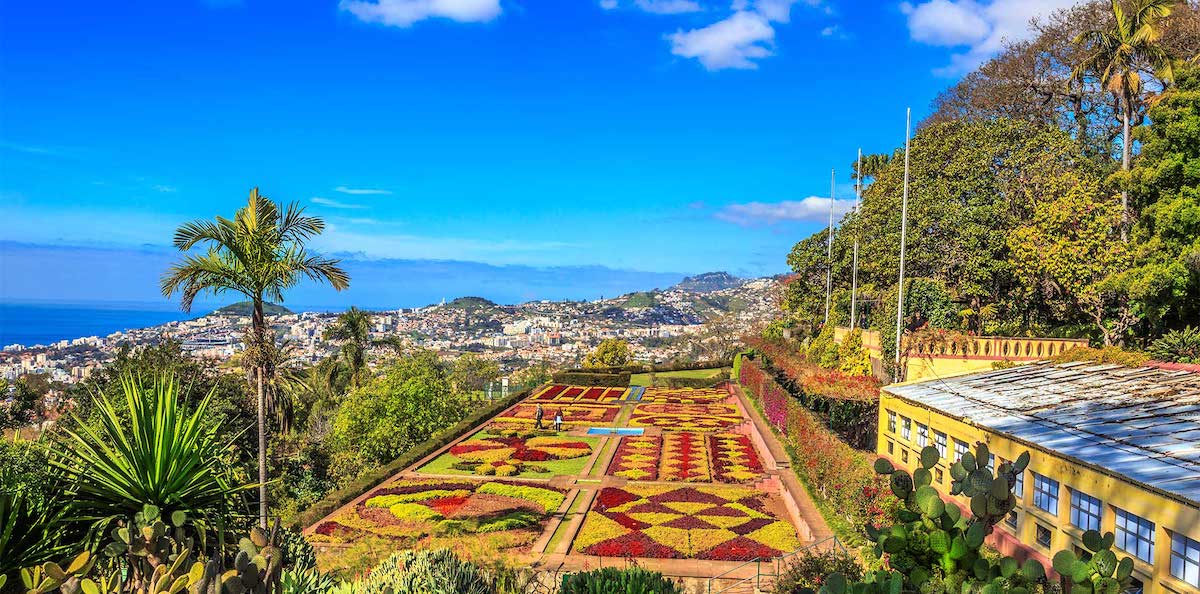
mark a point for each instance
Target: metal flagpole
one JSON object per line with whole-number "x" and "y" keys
{"x": 829, "y": 248}
{"x": 903, "y": 235}
{"x": 857, "y": 232}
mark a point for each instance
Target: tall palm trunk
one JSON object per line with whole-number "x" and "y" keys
{"x": 258, "y": 321}
{"x": 1126, "y": 157}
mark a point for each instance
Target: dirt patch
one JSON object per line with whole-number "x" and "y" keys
{"x": 485, "y": 504}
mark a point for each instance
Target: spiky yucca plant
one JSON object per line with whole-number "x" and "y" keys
{"x": 163, "y": 456}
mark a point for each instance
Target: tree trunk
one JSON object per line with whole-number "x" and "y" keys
{"x": 259, "y": 327}
{"x": 1126, "y": 156}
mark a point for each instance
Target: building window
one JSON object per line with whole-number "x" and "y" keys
{"x": 904, "y": 456}
{"x": 1135, "y": 587}
{"x": 991, "y": 465}
{"x": 960, "y": 448}
{"x": 891, "y": 421}
{"x": 937, "y": 472}
{"x": 1135, "y": 535}
{"x": 1043, "y": 536}
{"x": 939, "y": 442}
{"x": 922, "y": 435}
{"x": 1185, "y": 559}
{"x": 1085, "y": 510}
{"x": 1011, "y": 520}
{"x": 1045, "y": 493}
{"x": 906, "y": 427}
{"x": 1019, "y": 486}
{"x": 891, "y": 447}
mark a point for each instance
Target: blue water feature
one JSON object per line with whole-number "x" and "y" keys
{"x": 635, "y": 393}
{"x": 615, "y": 431}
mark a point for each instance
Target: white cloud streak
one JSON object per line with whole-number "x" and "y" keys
{"x": 335, "y": 203}
{"x": 405, "y": 13}
{"x": 668, "y": 6}
{"x": 812, "y": 209}
{"x": 360, "y": 191}
{"x": 982, "y": 28}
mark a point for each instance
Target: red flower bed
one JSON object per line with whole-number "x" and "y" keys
{"x": 734, "y": 458}
{"x": 816, "y": 380}
{"x": 327, "y": 528}
{"x": 837, "y": 474}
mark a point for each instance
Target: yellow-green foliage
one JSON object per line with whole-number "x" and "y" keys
{"x": 1109, "y": 354}
{"x": 549, "y": 500}
{"x": 853, "y": 359}
{"x": 390, "y": 500}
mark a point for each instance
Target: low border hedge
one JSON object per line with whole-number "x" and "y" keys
{"x": 339, "y": 497}
{"x": 591, "y": 378}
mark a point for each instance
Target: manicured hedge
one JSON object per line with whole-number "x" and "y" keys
{"x": 371, "y": 479}
{"x": 695, "y": 382}
{"x": 591, "y": 378}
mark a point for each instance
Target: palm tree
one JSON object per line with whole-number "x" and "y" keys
{"x": 260, "y": 254}
{"x": 353, "y": 329}
{"x": 1119, "y": 55}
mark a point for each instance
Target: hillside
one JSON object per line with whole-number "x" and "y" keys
{"x": 708, "y": 282}
{"x": 246, "y": 308}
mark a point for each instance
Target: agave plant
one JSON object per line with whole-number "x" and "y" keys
{"x": 31, "y": 531}
{"x": 163, "y": 456}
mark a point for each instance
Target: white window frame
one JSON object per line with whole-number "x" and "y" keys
{"x": 1135, "y": 541}
{"x": 906, "y": 428}
{"x": 1185, "y": 559}
{"x": 1045, "y": 493}
{"x": 922, "y": 435}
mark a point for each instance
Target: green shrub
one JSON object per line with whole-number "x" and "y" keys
{"x": 549, "y": 500}
{"x": 1109, "y": 354}
{"x": 1178, "y": 346}
{"x": 588, "y": 378}
{"x": 808, "y": 570}
{"x": 611, "y": 580}
{"x": 438, "y": 571}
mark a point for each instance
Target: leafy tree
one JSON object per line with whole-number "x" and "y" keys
{"x": 1165, "y": 186}
{"x": 1070, "y": 245}
{"x": 260, "y": 253}
{"x": 1178, "y": 346}
{"x": 33, "y": 522}
{"x": 1118, "y": 55}
{"x": 353, "y": 330}
{"x": 471, "y": 373}
{"x": 611, "y": 352}
{"x": 411, "y": 401}
{"x": 20, "y": 404}
{"x": 536, "y": 374}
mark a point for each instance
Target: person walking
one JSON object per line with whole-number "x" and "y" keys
{"x": 537, "y": 417}
{"x": 558, "y": 419}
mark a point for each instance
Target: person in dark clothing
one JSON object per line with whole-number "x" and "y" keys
{"x": 537, "y": 417}
{"x": 558, "y": 419}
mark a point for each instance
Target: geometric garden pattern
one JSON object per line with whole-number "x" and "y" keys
{"x": 699, "y": 522}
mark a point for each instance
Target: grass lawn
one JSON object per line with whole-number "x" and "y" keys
{"x": 643, "y": 379}
{"x": 444, "y": 464}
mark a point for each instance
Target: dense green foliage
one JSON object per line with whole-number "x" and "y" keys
{"x": 806, "y": 572}
{"x": 611, "y": 352}
{"x": 610, "y": 580}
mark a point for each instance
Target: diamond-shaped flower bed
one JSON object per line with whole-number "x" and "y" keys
{"x": 685, "y": 458}
{"x": 684, "y": 395}
{"x": 699, "y": 522}
{"x": 408, "y": 510}
{"x": 562, "y": 394}
{"x": 687, "y": 417}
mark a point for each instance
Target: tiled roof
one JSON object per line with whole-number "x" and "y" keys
{"x": 1138, "y": 422}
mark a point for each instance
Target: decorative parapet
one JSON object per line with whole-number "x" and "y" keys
{"x": 998, "y": 348}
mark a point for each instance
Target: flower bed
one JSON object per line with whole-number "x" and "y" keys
{"x": 839, "y": 477}
{"x": 523, "y": 416}
{"x": 409, "y": 510}
{"x": 815, "y": 380}
{"x": 697, "y": 522}
{"x": 686, "y": 417}
{"x": 733, "y": 458}
{"x": 509, "y": 453}
{"x": 684, "y": 395}
{"x": 685, "y": 458}
{"x": 637, "y": 457}
{"x": 560, "y": 393}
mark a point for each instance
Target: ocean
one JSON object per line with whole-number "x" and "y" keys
{"x": 45, "y": 323}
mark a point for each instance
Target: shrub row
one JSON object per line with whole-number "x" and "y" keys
{"x": 655, "y": 367}
{"x": 592, "y": 378}
{"x": 839, "y": 477}
{"x": 369, "y": 480}
{"x": 694, "y": 382}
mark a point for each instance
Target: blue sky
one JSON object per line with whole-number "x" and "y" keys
{"x": 663, "y": 137}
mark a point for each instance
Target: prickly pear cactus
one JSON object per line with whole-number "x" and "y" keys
{"x": 1102, "y": 573}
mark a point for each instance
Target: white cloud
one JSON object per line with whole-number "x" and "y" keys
{"x": 403, "y": 13}
{"x": 668, "y": 6}
{"x": 360, "y": 191}
{"x": 731, "y": 43}
{"x": 982, "y": 27}
{"x": 813, "y": 208}
{"x": 334, "y": 203}
{"x": 165, "y": 189}
{"x": 608, "y": 4}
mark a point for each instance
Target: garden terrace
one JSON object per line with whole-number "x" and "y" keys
{"x": 697, "y": 493}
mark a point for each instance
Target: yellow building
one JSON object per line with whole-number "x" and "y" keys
{"x": 1112, "y": 448}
